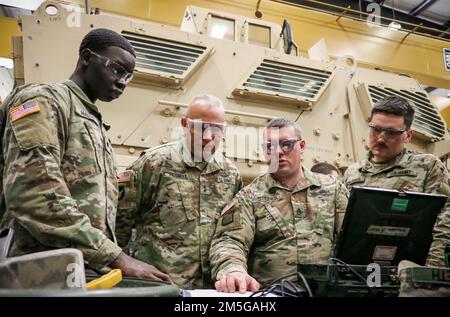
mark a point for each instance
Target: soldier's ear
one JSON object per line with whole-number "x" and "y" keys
{"x": 302, "y": 144}
{"x": 409, "y": 135}
{"x": 183, "y": 122}
{"x": 85, "y": 57}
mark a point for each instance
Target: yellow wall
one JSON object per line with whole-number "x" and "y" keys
{"x": 419, "y": 56}
{"x": 446, "y": 115}
{"x": 443, "y": 104}
{"x": 9, "y": 28}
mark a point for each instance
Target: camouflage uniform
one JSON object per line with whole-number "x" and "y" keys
{"x": 276, "y": 228}
{"x": 415, "y": 172}
{"x": 59, "y": 176}
{"x": 419, "y": 281}
{"x": 174, "y": 204}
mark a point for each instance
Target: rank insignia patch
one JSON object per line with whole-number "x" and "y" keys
{"x": 227, "y": 218}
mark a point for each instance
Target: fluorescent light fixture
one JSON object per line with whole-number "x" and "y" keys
{"x": 394, "y": 26}
{"x": 6, "y": 62}
{"x": 23, "y": 4}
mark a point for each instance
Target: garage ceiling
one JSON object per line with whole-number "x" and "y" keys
{"x": 433, "y": 14}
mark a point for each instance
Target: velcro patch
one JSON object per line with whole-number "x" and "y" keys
{"x": 402, "y": 173}
{"x": 124, "y": 177}
{"x": 177, "y": 174}
{"x": 25, "y": 109}
{"x": 227, "y": 219}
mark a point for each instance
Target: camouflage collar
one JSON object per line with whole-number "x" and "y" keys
{"x": 306, "y": 181}
{"x": 272, "y": 183}
{"x": 367, "y": 166}
{"x": 82, "y": 96}
{"x": 215, "y": 164}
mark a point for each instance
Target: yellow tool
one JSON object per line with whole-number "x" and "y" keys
{"x": 106, "y": 281}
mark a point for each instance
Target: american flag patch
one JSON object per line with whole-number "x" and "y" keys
{"x": 24, "y": 109}
{"x": 124, "y": 177}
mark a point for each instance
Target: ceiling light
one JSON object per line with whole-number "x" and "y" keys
{"x": 394, "y": 26}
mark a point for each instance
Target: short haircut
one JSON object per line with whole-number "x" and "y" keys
{"x": 324, "y": 168}
{"x": 282, "y": 123}
{"x": 98, "y": 40}
{"x": 397, "y": 106}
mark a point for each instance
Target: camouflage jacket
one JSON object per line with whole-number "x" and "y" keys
{"x": 174, "y": 205}
{"x": 419, "y": 281}
{"x": 415, "y": 172}
{"x": 59, "y": 175}
{"x": 268, "y": 229}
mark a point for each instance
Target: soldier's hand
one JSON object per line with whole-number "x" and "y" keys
{"x": 237, "y": 281}
{"x": 135, "y": 268}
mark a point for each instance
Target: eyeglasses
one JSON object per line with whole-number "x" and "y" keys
{"x": 390, "y": 133}
{"x": 118, "y": 70}
{"x": 286, "y": 145}
{"x": 215, "y": 127}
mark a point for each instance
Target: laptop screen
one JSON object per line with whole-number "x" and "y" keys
{"x": 387, "y": 226}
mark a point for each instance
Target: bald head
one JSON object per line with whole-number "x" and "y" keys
{"x": 204, "y": 104}
{"x": 204, "y": 125}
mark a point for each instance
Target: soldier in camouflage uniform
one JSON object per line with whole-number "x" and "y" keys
{"x": 59, "y": 175}
{"x": 389, "y": 165}
{"x": 283, "y": 218}
{"x": 173, "y": 196}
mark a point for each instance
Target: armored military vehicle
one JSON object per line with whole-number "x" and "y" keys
{"x": 251, "y": 64}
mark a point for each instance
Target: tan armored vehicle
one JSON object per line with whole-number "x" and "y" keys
{"x": 252, "y": 65}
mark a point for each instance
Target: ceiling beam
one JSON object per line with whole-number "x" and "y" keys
{"x": 421, "y": 7}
